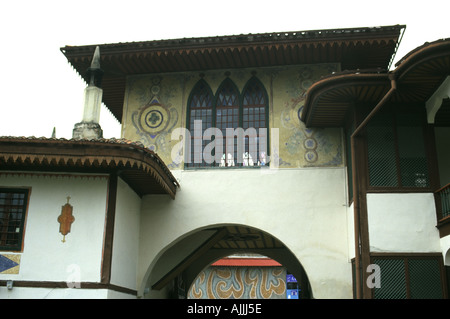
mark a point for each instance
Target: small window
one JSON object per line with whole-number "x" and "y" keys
{"x": 13, "y": 208}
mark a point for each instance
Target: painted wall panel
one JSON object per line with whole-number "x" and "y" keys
{"x": 168, "y": 94}
{"x": 240, "y": 283}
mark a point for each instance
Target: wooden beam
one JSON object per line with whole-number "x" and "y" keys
{"x": 214, "y": 239}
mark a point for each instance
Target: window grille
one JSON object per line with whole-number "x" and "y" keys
{"x": 392, "y": 279}
{"x": 409, "y": 277}
{"x": 13, "y": 206}
{"x": 381, "y": 151}
{"x": 396, "y": 150}
{"x": 411, "y": 149}
{"x": 425, "y": 279}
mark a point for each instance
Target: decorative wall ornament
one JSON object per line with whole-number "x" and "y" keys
{"x": 239, "y": 283}
{"x": 66, "y": 219}
{"x": 155, "y": 120}
{"x": 9, "y": 264}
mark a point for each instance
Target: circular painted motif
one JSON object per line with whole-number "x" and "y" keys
{"x": 310, "y": 143}
{"x": 155, "y": 89}
{"x": 154, "y": 118}
{"x": 311, "y": 156}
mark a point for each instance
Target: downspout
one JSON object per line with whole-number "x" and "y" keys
{"x": 361, "y": 248}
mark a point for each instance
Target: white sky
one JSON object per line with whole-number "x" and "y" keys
{"x": 40, "y": 90}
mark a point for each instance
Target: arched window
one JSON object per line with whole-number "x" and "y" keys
{"x": 227, "y": 116}
{"x": 200, "y": 108}
{"x": 245, "y": 113}
{"x": 254, "y": 115}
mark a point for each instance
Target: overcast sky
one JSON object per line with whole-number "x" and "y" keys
{"x": 40, "y": 90}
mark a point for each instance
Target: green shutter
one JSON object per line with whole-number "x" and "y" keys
{"x": 381, "y": 151}
{"x": 412, "y": 154}
{"x": 425, "y": 279}
{"x": 392, "y": 279}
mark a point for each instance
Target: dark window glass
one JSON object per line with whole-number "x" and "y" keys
{"x": 13, "y": 205}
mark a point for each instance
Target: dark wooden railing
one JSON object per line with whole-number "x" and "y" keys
{"x": 442, "y": 196}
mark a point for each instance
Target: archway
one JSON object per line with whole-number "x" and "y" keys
{"x": 247, "y": 276}
{"x": 178, "y": 266}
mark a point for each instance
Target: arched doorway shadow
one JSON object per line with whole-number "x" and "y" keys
{"x": 210, "y": 244}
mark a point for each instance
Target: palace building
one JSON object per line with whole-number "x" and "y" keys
{"x": 307, "y": 149}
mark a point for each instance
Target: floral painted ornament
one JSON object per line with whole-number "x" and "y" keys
{"x": 65, "y": 219}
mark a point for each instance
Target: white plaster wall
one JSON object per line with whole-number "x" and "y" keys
{"x": 304, "y": 208}
{"x": 351, "y": 231}
{"x": 445, "y": 246}
{"x": 52, "y": 293}
{"x": 45, "y": 257}
{"x": 402, "y": 223}
{"x": 61, "y": 293}
{"x": 126, "y": 237}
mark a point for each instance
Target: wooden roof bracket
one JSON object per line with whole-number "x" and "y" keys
{"x": 362, "y": 249}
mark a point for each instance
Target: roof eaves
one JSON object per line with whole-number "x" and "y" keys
{"x": 86, "y": 154}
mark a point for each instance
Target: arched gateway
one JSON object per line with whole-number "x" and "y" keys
{"x": 174, "y": 272}
{"x": 290, "y": 159}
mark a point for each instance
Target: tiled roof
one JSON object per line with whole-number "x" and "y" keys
{"x": 140, "y": 167}
{"x": 353, "y": 48}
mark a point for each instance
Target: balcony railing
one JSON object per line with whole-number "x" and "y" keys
{"x": 442, "y": 196}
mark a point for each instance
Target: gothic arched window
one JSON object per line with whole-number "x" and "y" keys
{"x": 254, "y": 115}
{"x": 245, "y": 113}
{"x": 200, "y": 108}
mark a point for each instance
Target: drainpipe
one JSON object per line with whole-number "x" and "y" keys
{"x": 361, "y": 248}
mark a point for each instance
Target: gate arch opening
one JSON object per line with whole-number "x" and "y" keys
{"x": 169, "y": 279}
{"x": 247, "y": 276}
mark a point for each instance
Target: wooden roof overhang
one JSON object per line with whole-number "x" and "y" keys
{"x": 138, "y": 166}
{"x": 329, "y": 100}
{"x": 418, "y": 75}
{"x": 354, "y": 48}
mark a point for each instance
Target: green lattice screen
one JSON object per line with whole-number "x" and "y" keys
{"x": 392, "y": 280}
{"x": 396, "y": 150}
{"x": 415, "y": 278}
{"x": 381, "y": 150}
{"x": 425, "y": 279}
{"x": 411, "y": 149}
